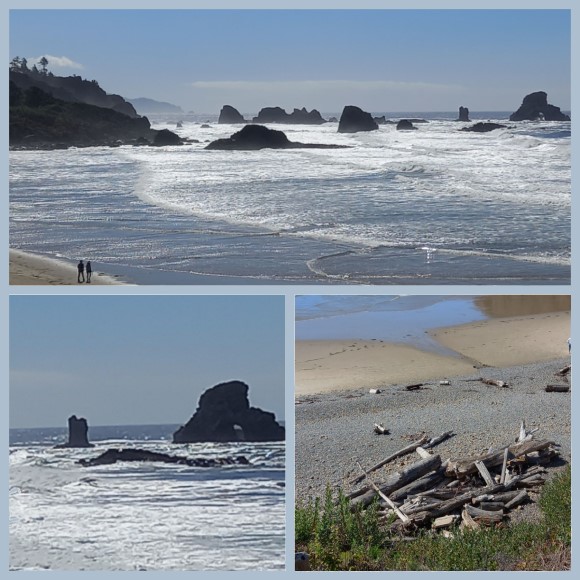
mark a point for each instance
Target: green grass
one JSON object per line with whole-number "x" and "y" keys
{"x": 340, "y": 539}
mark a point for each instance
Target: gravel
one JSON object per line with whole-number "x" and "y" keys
{"x": 335, "y": 430}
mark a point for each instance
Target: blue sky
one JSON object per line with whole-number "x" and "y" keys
{"x": 119, "y": 360}
{"x": 381, "y": 60}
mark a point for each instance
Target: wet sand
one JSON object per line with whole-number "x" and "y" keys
{"x": 328, "y": 365}
{"x": 34, "y": 270}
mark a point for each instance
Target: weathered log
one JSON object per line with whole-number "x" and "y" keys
{"x": 494, "y": 382}
{"x": 445, "y": 507}
{"x": 491, "y": 506}
{"x": 399, "y": 513}
{"x": 467, "y": 466}
{"x": 379, "y": 429}
{"x": 506, "y": 452}
{"x": 398, "y": 480}
{"x": 444, "y": 521}
{"x": 564, "y": 371}
{"x": 435, "y": 440}
{"x": 414, "y": 387}
{"x": 557, "y": 388}
{"x": 424, "y": 483}
{"x": 518, "y": 499}
{"x": 423, "y": 452}
{"x": 501, "y": 496}
{"x": 484, "y": 517}
{"x": 400, "y": 453}
{"x": 468, "y": 521}
{"x": 485, "y": 473}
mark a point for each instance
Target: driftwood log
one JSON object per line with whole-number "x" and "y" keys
{"x": 557, "y": 388}
{"x": 479, "y": 491}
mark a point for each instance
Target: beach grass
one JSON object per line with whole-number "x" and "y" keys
{"x": 337, "y": 538}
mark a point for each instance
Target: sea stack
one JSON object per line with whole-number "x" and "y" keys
{"x": 405, "y": 125}
{"x": 463, "y": 114}
{"x": 535, "y": 107}
{"x": 224, "y": 414}
{"x": 77, "y": 433}
{"x": 256, "y": 137}
{"x": 354, "y": 119}
{"x": 484, "y": 127}
{"x": 231, "y": 116}
{"x": 297, "y": 117}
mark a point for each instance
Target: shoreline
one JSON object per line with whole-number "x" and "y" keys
{"x": 323, "y": 366}
{"x": 27, "y": 269}
{"x": 334, "y": 430}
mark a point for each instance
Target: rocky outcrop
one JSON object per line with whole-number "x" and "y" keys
{"x": 297, "y": 117}
{"x": 535, "y": 107}
{"x": 166, "y": 137}
{"x": 333, "y": 120}
{"x": 40, "y": 121}
{"x": 230, "y": 116}
{"x": 114, "y": 455}
{"x": 484, "y": 127}
{"x": 224, "y": 414}
{"x": 78, "y": 431}
{"x": 463, "y": 114}
{"x": 405, "y": 125}
{"x": 354, "y": 120}
{"x": 73, "y": 89}
{"x": 255, "y": 137}
{"x": 380, "y": 120}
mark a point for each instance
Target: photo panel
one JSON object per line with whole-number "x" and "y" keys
{"x": 147, "y": 433}
{"x": 433, "y": 432}
{"x": 385, "y": 147}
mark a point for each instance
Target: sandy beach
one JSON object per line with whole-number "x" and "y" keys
{"x": 335, "y": 412}
{"x": 329, "y": 365}
{"x": 33, "y": 270}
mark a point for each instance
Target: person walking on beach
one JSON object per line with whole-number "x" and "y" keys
{"x": 81, "y": 272}
{"x": 89, "y": 271}
{"x": 569, "y": 345}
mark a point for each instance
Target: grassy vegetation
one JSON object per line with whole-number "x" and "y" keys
{"x": 339, "y": 539}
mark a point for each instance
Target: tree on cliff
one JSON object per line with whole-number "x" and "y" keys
{"x": 19, "y": 64}
{"x": 43, "y": 62}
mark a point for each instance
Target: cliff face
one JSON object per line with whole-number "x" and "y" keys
{"x": 224, "y": 414}
{"x": 73, "y": 90}
{"x": 38, "y": 120}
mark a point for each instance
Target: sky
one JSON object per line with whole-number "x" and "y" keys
{"x": 121, "y": 360}
{"x": 380, "y": 60}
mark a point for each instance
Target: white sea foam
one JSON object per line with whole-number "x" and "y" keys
{"x": 147, "y": 516}
{"x": 505, "y": 193}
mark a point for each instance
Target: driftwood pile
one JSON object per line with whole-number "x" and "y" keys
{"x": 478, "y": 491}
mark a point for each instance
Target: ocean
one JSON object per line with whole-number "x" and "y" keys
{"x": 145, "y": 515}
{"x": 431, "y": 206}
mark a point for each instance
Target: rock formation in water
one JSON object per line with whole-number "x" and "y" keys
{"x": 78, "y": 431}
{"x": 405, "y": 125}
{"x": 463, "y": 114}
{"x": 166, "y": 137}
{"x": 354, "y": 119}
{"x": 224, "y": 414}
{"x": 535, "y": 107}
{"x": 380, "y": 120}
{"x": 230, "y": 116}
{"x": 114, "y": 455}
{"x": 255, "y": 137}
{"x": 297, "y": 117}
{"x": 484, "y": 127}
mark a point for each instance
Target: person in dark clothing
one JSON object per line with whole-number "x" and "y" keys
{"x": 89, "y": 271}
{"x": 81, "y": 272}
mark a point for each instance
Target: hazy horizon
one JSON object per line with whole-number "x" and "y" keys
{"x": 380, "y": 60}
